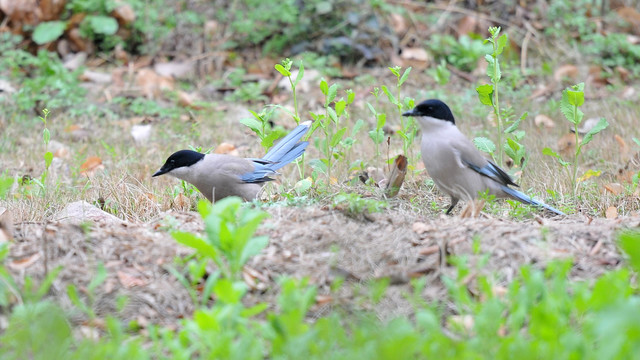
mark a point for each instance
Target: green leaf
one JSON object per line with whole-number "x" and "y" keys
{"x": 99, "y": 277}
{"x": 484, "y": 144}
{"x": 502, "y": 42}
{"x": 485, "y": 93}
{"x": 355, "y": 129}
{"x": 5, "y": 185}
{"x": 47, "y": 32}
{"x": 390, "y": 96}
{"x": 635, "y": 140}
{"x": 350, "y": 96}
{"x": 547, "y": 151}
{"x": 254, "y": 310}
{"x": 253, "y": 247}
{"x": 282, "y": 70}
{"x": 493, "y": 70}
{"x": 46, "y": 136}
{"x": 576, "y": 98}
{"x": 196, "y": 243}
{"x": 252, "y": 124}
{"x": 340, "y": 106}
{"x": 48, "y": 158}
{"x": 337, "y": 137}
{"x": 105, "y": 25}
{"x": 303, "y": 186}
{"x": 324, "y": 87}
{"x": 274, "y": 135}
{"x": 374, "y": 112}
{"x": 331, "y": 94}
{"x": 300, "y": 74}
{"x": 601, "y": 125}
{"x": 404, "y": 77}
{"x": 381, "y": 121}
{"x": 395, "y": 70}
{"x": 513, "y": 144}
{"x": 332, "y": 114}
{"x": 377, "y": 135}
{"x": 229, "y": 292}
{"x": 570, "y": 112}
{"x": 513, "y": 127}
{"x": 630, "y": 243}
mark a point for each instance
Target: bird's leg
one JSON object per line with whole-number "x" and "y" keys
{"x": 454, "y": 202}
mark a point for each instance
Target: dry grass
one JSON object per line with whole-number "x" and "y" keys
{"x": 308, "y": 237}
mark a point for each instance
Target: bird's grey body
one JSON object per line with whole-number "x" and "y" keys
{"x": 454, "y": 163}
{"x": 218, "y": 176}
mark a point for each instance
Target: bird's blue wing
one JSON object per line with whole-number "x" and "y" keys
{"x": 491, "y": 171}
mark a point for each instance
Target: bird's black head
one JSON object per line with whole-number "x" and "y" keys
{"x": 433, "y": 108}
{"x": 182, "y": 158}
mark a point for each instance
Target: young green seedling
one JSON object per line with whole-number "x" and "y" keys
{"x": 572, "y": 98}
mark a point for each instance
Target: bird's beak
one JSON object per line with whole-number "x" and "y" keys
{"x": 409, "y": 113}
{"x": 160, "y": 172}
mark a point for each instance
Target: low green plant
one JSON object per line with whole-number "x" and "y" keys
{"x": 463, "y": 53}
{"x": 572, "y": 99}
{"x": 355, "y": 204}
{"x": 43, "y": 78}
{"x": 440, "y": 73}
{"x": 377, "y": 135}
{"x": 285, "y": 70}
{"x": 332, "y": 146}
{"x": 408, "y": 126}
{"x": 489, "y": 95}
{"x": 260, "y": 124}
{"x": 87, "y": 306}
{"x": 230, "y": 240}
{"x": 6, "y": 182}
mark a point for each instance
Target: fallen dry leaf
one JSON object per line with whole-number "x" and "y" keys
{"x": 416, "y": 57}
{"x": 466, "y": 25}
{"x": 567, "y": 144}
{"x": 187, "y": 100}
{"x": 152, "y": 84}
{"x": 128, "y": 281}
{"x": 624, "y": 148}
{"x": 587, "y": 125}
{"x": 25, "y": 262}
{"x": 611, "y": 212}
{"x": 224, "y": 148}
{"x": 628, "y": 92}
{"x": 141, "y": 133}
{"x": 566, "y": 71}
{"x": 96, "y": 77}
{"x": 614, "y": 188}
{"x": 544, "y": 120}
{"x": 182, "y": 202}
{"x": 323, "y": 299}
{"x": 91, "y": 166}
{"x": 421, "y": 228}
{"x": 624, "y": 73}
{"x": 429, "y": 250}
{"x": 211, "y": 28}
{"x": 465, "y": 321}
{"x": 124, "y": 13}
{"x": 398, "y": 23}
{"x": 174, "y": 69}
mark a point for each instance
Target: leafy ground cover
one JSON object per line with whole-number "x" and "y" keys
{"x": 323, "y": 265}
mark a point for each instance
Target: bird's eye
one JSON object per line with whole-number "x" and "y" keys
{"x": 172, "y": 161}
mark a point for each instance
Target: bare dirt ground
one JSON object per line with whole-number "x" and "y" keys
{"x": 319, "y": 243}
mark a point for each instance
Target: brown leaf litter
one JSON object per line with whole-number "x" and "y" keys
{"x": 319, "y": 243}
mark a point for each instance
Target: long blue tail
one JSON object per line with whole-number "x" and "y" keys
{"x": 278, "y": 153}
{"x": 527, "y": 200}
{"x": 284, "y": 152}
